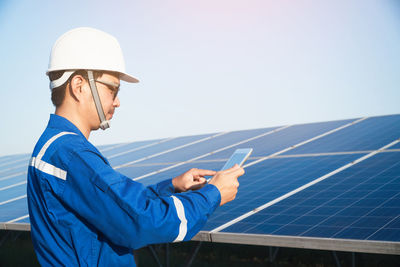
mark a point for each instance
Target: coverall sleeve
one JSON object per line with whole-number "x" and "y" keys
{"x": 164, "y": 188}
{"x": 123, "y": 211}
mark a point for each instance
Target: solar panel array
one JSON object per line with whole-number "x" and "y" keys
{"x": 330, "y": 185}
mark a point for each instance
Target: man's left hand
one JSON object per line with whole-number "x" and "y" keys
{"x": 191, "y": 180}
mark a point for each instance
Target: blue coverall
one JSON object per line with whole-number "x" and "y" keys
{"x": 84, "y": 213}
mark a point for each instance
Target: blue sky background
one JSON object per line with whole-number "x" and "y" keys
{"x": 209, "y": 66}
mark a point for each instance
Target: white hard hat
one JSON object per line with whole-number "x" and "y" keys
{"x": 86, "y": 49}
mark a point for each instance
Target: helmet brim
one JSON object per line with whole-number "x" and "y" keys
{"x": 128, "y": 78}
{"x": 123, "y": 76}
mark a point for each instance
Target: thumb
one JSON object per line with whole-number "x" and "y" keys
{"x": 201, "y": 180}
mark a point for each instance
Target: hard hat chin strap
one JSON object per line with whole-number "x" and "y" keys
{"x": 104, "y": 124}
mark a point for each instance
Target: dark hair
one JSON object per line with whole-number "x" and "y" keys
{"x": 58, "y": 93}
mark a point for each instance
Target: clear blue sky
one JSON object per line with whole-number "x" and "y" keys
{"x": 209, "y": 66}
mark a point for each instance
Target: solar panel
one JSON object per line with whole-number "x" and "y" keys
{"x": 218, "y": 141}
{"x": 6, "y": 160}
{"x": 148, "y": 151}
{"x": 330, "y": 185}
{"x": 13, "y": 164}
{"x": 368, "y": 134}
{"x": 271, "y": 179}
{"x": 354, "y": 204}
{"x": 13, "y": 209}
{"x": 397, "y": 146}
{"x": 120, "y": 149}
{"x": 284, "y": 138}
{"x": 21, "y": 167}
{"x": 11, "y": 180}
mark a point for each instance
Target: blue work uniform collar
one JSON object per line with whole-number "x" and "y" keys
{"x": 59, "y": 122}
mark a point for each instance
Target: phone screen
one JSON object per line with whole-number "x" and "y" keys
{"x": 238, "y": 157}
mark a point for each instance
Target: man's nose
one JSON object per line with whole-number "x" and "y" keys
{"x": 116, "y": 102}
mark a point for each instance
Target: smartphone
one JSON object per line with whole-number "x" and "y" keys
{"x": 238, "y": 157}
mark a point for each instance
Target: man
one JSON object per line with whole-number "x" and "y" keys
{"x": 82, "y": 211}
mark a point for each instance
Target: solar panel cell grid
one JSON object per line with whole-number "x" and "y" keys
{"x": 360, "y": 217}
{"x": 175, "y": 171}
{"x": 23, "y": 220}
{"x": 119, "y": 148}
{"x": 12, "y": 179}
{"x": 12, "y": 210}
{"x": 369, "y": 134}
{"x": 21, "y": 167}
{"x": 207, "y": 146}
{"x": 278, "y": 176}
{"x": 106, "y": 147}
{"x": 397, "y": 146}
{"x": 283, "y": 139}
{"x": 12, "y": 192}
{"x": 5, "y": 160}
{"x": 139, "y": 170}
{"x": 142, "y": 153}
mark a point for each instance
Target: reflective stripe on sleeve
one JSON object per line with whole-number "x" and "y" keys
{"x": 45, "y": 167}
{"x": 48, "y": 168}
{"x": 181, "y": 215}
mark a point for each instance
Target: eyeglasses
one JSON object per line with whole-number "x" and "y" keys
{"x": 114, "y": 87}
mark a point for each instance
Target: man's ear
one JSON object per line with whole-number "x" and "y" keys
{"x": 76, "y": 87}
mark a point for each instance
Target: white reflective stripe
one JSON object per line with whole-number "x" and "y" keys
{"x": 180, "y": 210}
{"x": 48, "y": 143}
{"x": 45, "y": 167}
{"x": 48, "y": 168}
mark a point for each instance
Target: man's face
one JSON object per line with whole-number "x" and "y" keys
{"x": 107, "y": 87}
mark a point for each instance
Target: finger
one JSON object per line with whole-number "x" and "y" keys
{"x": 237, "y": 169}
{"x": 199, "y": 179}
{"x": 236, "y": 172}
{"x": 232, "y": 169}
{"x": 202, "y": 172}
{"x": 202, "y": 180}
{"x": 240, "y": 171}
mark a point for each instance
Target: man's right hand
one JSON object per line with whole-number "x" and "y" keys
{"x": 227, "y": 183}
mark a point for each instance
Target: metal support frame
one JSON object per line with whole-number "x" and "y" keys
{"x": 167, "y": 254}
{"x": 13, "y": 236}
{"x": 4, "y": 238}
{"x": 336, "y": 258}
{"x": 272, "y": 253}
{"x": 153, "y": 252}
{"x": 17, "y": 234}
{"x": 168, "y": 258}
{"x": 196, "y": 250}
{"x": 157, "y": 259}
